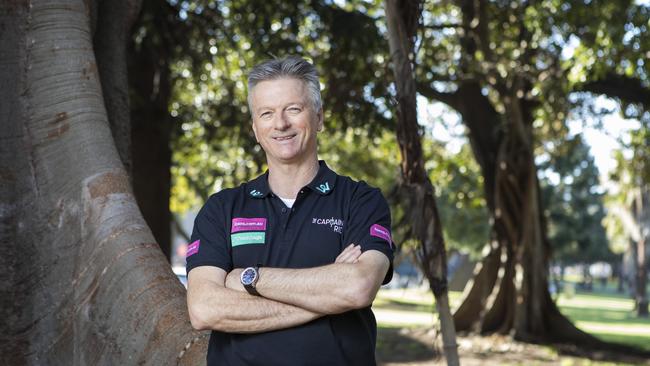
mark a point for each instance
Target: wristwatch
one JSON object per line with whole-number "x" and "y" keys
{"x": 249, "y": 279}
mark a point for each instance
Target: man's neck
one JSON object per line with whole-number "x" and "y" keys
{"x": 286, "y": 180}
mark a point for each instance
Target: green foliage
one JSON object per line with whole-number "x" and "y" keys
{"x": 632, "y": 175}
{"x": 574, "y": 204}
{"x": 633, "y": 170}
{"x": 459, "y": 195}
{"x": 355, "y": 153}
{"x": 540, "y": 53}
{"x": 213, "y": 44}
{"x": 214, "y": 146}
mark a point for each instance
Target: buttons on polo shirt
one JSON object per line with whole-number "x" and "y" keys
{"x": 284, "y": 210}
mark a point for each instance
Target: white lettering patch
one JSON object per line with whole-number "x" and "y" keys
{"x": 335, "y": 224}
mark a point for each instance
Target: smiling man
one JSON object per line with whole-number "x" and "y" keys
{"x": 283, "y": 269}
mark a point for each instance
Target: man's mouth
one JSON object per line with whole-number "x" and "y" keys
{"x": 284, "y": 138}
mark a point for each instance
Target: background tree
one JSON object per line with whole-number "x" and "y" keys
{"x": 154, "y": 44}
{"x": 631, "y": 208}
{"x": 465, "y": 219}
{"x": 403, "y": 19}
{"x": 501, "y": 66}
{"x": 492, "y": 90}
{"x": 612, "y": 54}
{"x": 573, "y": 201}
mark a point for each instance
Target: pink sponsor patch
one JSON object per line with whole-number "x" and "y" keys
{"x": 381, "y": 232}
{"x": 193, "y": 248}
{"x": 244, "y": 224}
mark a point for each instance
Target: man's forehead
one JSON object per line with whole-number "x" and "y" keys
{"x": 285, "y": 81}
{"x": 279, "y": 92}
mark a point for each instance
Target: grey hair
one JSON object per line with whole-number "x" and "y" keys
{"x": 288, "y": 67}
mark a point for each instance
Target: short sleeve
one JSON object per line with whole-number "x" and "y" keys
{"x": 369, "y": 224}
{"x": 208, "y": 244}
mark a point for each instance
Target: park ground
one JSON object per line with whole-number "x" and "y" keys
{"x": 407, "y": 323}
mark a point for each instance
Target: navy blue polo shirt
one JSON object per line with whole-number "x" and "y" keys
{"x": 250, "y": 225}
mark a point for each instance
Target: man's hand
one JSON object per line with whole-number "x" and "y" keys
{"x": 350, "y": 254}
{"x": 233, "y": 280}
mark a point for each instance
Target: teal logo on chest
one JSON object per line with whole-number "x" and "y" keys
{"x": 247, "y": 238}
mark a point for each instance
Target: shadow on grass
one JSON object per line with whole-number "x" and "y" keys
{"x": 396, "y": 346}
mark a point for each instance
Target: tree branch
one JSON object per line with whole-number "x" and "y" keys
{"x": 627, "y": 89}
{"x": 429, "y": 92}
{"x": 444, "y": 26}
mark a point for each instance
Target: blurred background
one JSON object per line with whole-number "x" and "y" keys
{"x": 556, "y": 90}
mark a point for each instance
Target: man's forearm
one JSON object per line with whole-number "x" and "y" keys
{"x": 329, "y": 289}
{"x": 232, "y": 311}
{"x": 334, "y": 288}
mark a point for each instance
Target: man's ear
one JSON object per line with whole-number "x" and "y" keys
{"x": 320, "y": 124}
{"x": 255, "y": 131}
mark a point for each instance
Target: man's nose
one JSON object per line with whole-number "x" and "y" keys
{"x": 281, "y": 122}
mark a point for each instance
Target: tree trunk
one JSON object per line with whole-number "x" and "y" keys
{"x": 641, "y": 280}
{"x": 111, "y": 24}
{"x": 641, "y": 209}
{"x": 149, "y": 78}
{"x": 402, "y": 21}
{"x": 478, "y": 290}
{"x": 85, "y": 282}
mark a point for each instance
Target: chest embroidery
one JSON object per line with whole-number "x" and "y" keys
{"x": 245, "y": 231}
{"x": 248, "y": 224}
{"x": 335, "y": 224}
{"x": 324, "y": 188}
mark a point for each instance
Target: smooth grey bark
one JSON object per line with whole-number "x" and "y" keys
{"x": 401, "y": 20}
{"x": 83, "y": 281}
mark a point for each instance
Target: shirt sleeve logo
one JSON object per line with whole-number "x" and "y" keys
{"x": 382, "y": 233}
{"x": 193, "y": 248}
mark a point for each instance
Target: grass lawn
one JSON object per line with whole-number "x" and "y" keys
{"x": 408, "y": 308}
{"x": 607, "y": 316}
{"x": 603, "y": 313}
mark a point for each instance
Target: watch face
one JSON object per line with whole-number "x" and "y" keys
{"x": 248, "y": 276}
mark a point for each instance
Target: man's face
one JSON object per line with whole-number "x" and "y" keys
{"x": 284, "y": 121}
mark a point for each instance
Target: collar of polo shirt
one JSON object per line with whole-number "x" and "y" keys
{"x": 322, "y": 184}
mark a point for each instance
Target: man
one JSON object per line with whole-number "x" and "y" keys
{"x": 284, "y": 268}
